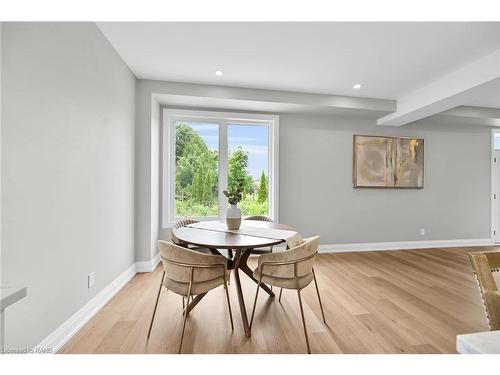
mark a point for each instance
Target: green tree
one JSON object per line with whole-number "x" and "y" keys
{"x": 196, "y": 167}
{"x": 186, "y": 135}
{"x": 237, "y": 171}
{"x": 196, "y": 182}
{"x": 262, "y": 191}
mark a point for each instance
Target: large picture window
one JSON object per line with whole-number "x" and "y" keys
{"x": 206, "y": 152}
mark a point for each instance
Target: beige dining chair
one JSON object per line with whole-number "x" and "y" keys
{"x": 180, "y": 224}
{"x": 183, "y": 222}
{"x": 186, "y": 222}
{"x": 189, "y": 273}
{"x": 259, "y": 218}
{"x": 486, "y": 265}
{"x": 292, "y": 269}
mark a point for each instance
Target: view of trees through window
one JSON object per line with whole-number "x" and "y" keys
{"x": 197, "y": 163}
{"x": 248, "y": 160}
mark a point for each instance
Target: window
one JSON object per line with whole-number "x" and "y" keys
{"x": 196, "y": 169}
{"x": 205, "y": 152}
{"x": 248, "y": 160}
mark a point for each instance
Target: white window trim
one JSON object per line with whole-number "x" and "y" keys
{"x": 170, "y": 116}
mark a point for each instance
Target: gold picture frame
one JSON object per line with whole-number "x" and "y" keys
{"x": 388, "y": 162}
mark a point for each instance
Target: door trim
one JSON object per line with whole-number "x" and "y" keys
{"x": 494, "y": 188}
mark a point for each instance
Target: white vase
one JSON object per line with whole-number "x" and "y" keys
{"x": 233, "y": 217}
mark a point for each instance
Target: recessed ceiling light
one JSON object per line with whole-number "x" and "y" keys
{"x": 218, "y": 73}
{"x": 357, "y": 86}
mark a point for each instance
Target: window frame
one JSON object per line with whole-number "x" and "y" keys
{"x": 223, "y": 119}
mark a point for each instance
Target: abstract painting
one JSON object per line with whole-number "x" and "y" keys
{"x": 388, "y": 162}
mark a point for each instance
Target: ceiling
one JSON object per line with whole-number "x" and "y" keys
{"x": 388, "y": 59}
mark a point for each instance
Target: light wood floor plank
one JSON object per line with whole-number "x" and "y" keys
{"x": 408, "y": 301}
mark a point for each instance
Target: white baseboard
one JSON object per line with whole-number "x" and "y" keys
{"x": 405, "y": 245}
{"x": 148, "y": 266}
{"x": 65, "y": 331}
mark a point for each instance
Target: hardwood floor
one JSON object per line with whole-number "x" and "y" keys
{"x": 410, "y": 301}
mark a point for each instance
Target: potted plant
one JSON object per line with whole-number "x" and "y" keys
{"x": 233, "y": 214}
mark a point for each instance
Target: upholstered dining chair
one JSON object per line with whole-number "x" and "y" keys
{"x": 259, "y": 218}
{"x": 180, "y": 224}
{"x": 486, "y": 267}
{"x": 183, "y": 223}
{"x": 262, "y": 250}
{"x": 292, "y": 269}
{"x": 189, "y": 273}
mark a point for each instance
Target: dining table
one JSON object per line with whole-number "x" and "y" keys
{"x": 251, "y": 235}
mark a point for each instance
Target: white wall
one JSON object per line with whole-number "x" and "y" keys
{"x": 68, "y": 171}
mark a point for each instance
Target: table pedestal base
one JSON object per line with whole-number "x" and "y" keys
{"x": 240, "y": 263}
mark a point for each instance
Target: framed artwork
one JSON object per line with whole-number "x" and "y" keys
{"x": 388, "y": 162}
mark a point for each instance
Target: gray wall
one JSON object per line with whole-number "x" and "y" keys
{"x": 316, "y": 194}
{"x": 68, "y": 171}
{"x": 1, "y": 27}
{"x": 146, "y": 126}
{"x": 317, "y": 197}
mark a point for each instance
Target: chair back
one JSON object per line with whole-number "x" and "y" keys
{"x": 180, "y": 224}
{"x": 486, "y": 267}
{"x": 297, "y": 261}
{"x": 259, "y": 218}
{"x": 183, "y": 223}
{"x": 182, "y": 264}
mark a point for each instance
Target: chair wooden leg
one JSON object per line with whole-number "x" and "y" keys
{"x": 255, "y": 302}
{"x": 303, "y": 321}
{"x": 156, "y": 305}
{"x": 183, "y": 330}
{"x": 229, "y": 306}
{"x": 281, "y": 291}
{"x": 319, "y": 297}
{"x": 185, "y": 313}
{"x": 185, "y": 303}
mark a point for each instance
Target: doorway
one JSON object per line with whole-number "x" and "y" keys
{"x": 495, "y": 185}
